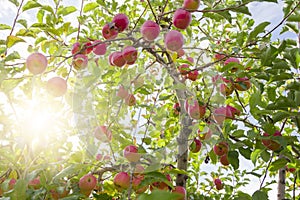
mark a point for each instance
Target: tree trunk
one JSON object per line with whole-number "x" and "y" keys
{"x": 281, "y": 183}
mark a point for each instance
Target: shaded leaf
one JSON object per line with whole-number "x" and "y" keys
{"x": 259, "y": 195}
{"x": 233, "y": 158}
{"x": 278, "y": 164}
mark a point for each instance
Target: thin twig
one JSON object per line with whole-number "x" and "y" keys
{"x": 152, "y": 11}
{"x": 79, "y": 24}
{"x": 266, "y": 172}
{"x": 16, "y": 18}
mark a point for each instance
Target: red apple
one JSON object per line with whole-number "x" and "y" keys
{"x": 35, "y": 183}
{"x": 219, "y": 56}
{"x": 231, "y": 112}
{"x": 99, "y": 49}
{"x": 131, "y": 153}
{"x": 139, "y": 169}
{"x": 225, "y": 89}
{"x": 117, "y": 59}
{"x": 87, "y": 183}
{"x": 56, "y": 194}
{"x": 12, "y": 183}
{"x": 87, "y": 48}
{"x": 150, "y": 30}
{"x": 180, "y": 53}
{"x": 136, "y": 181}
{"x": 76, "y": 48}
{"x": 272, "y": 144}
{"x": 103, "y": 134}
{"x": 130, "y": 100}
{"x": 121, "y": 22}
{"x": 36, "y": 63}
{"x": 99, "y": 156}
{"x": 221, "y": 148}
{"x": 231, "y": 60}
{"x": 109, "y": 31}
{"x": 122, "y": 180}
{"x": 80, "y": 61}
{"x": 242, "y": 84}
{"x": 180, "y": 190}
{"x": 174, "y": 40}
{"x": 193, "y": 75}
{"x": 195, "y": 146}
{"x": 161, "y": 185}
{"x": 182, "y": 18}
{"x": 224, "y": 160}
{"x": 56, "y": 86}
{"x": 218, "y": 184}
{"x": 220, "y": 114}
{"x": 176, "y": 108}
{"x": 194, "y": 110}
{"x": 184, "y": 69}
{"x": 191, "y": 4}
{"x": 130, "y": 54}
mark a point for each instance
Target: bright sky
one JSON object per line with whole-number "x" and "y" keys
{"x": 260, "y": 11}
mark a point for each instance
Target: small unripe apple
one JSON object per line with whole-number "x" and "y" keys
{"x": 130, "y": 100}
{"x": 224, "y": 160}
{"x": 150, "y": 30}
{"x": 117, "y": 59}
{"x": 130, "y": 54}
{"x": 272, "y": 144}
{"x": 87, "y": 183}
{"x": 109, "y": 31}
{"x": 182, "y": 18}
{"x": 218, "y": 184}
{"x": 80, "y": 61}
{"x": 242, "y": 84}
{"x": 99, "y": 49}
{"x": 103, "y": 134}
{"x": 36, "y": 63}
{"x": 121, "y": 22}
{"x": 174, "y": 40}
{"x": 180, "y": 190}
{"x": 122, "y": 180}
{"x": 122, "y": 92}
{"x": 195, "y": 146}
{"x": 131, "y": 153}
{"x": 193, "y": 75}
{"x": 221, "y": 148}
{"x": 56, "y": 86}
{"x": 191, "y": 4}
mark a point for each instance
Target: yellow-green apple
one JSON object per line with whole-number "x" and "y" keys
{"x": 100, "y": 48}
{"x": 80, "y": 61}
{"x": 150, "y": 30}
{"x": 221, "y": 148}
{"x": 103, "y": 134}
{"x": 109, "y": 31}
{"x": 174, "y": 40}
{"x": 182, "y": 18}
{"x": 180, "y": 190}
{"x": 121, "y": 22}
{"x": 122, "y": 180}
{"x": 195, "y": 146}
{"x": 56, "y": 86}
{"x": 191, "y": 4}
{"x": 36, "y": 63}
{"x": 131, "y": 153}
{"x": 272, "y": 144}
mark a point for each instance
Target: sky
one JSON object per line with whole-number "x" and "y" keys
{"x": 261, "y": 12}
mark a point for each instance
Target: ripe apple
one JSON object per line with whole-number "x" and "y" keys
{"x": 80, "y": 61}
{"x": 130, "y": 54}
{"x": 194, "y": 110}
{"x": 150, "y": 30}
{"x": 182, "y": 18}
{"x": 87, "y": 48}
{"x": 122, "y": 92}
{"x": 99, "y": 156}
{"x": 221, "y": 148}
{"x": 231, "y": 60}
{"x": 184, "y": 69}
{"x": 195, "y": 146}
{"x": 191, "y": 4}
{"x": 219, "y": 56}
{"x": 75, "y": 48}
{"x": 122, "y": 180}
{"x": 231, "y": 112}
{"x": 117, "y": 59}
{"x": 218, "y": 184}
{"x": 131, "y": 153}
{"x": 242, "y": 84}
{"x": 130, "y": 100}
{"x": 180, "y": 53}
{"x": 12, "y": 183}
{"x": 87, "y": 183}
{"x": 206, "y": 135}
{"x": 176, "y": 108}
{"x": 36, "y": 63}
{"x": 56, "y": 195}
{"x": 99, "y": 49}
{"x": 180, "y": 190}
{"x": 220, "y": 114}
{"x": 121, "y": 22}
{"x": 190, "y": 59}
{"x": 136, "y": 181}
{"x": 56, "y": 86}
{"x": 224, "y": 160}
{"x": 35, "y": 183}
{"x": 103, "y": 134}
{"x": 193, "y": 75}
{"x": 272, "y": 144}
{"x": 174, "y": 40}
{"x": 161, "y": 185}
{"x": 109, "y": 31}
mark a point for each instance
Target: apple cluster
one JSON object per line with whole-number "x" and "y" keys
{"x": 123, "y": 93}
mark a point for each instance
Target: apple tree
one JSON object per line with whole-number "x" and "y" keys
{"x": 148, "y": 99}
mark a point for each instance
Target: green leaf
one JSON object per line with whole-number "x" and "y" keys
{"x": 245, "y": 152}
{"x": 90, "y": 6}
{"x": 23, "y": 22}
{"x": 242, "y": 9}
{"x": 19, "y": 191}
{"x": 294, "y": 18}
{"x": 159, "y": 194}
{"x": 254, "y": 155}
{"x": 280, "y": 115}
{"x": 67, "y": 10}
{"x": 10, "y": 84}
{"x": 30, "y": 5}
{"x": 278, "y": 164}
{"x": 268, "y": 56}
{"x": 12, "y": 40}
{"x": 259, "y": 195}
{"x": 282, "y": 76}
{"x": 257, "y": 30}
{"x": 12, "y": 56}
{"x": 4, "y": 27}
{"x": 233, "y": 158}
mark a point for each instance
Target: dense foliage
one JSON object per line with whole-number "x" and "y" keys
{"x": 211, "y": 115}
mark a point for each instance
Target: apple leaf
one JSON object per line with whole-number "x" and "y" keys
{"x": 257, "y": 30}
{"x": 12, "y": 40}
{"x": 30, "y": 5}
{"x": 259, "y": 195}
{"x": 278, "y": 164}
{"x": 233, "y": 158}
{"x": 159, "y": 194}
